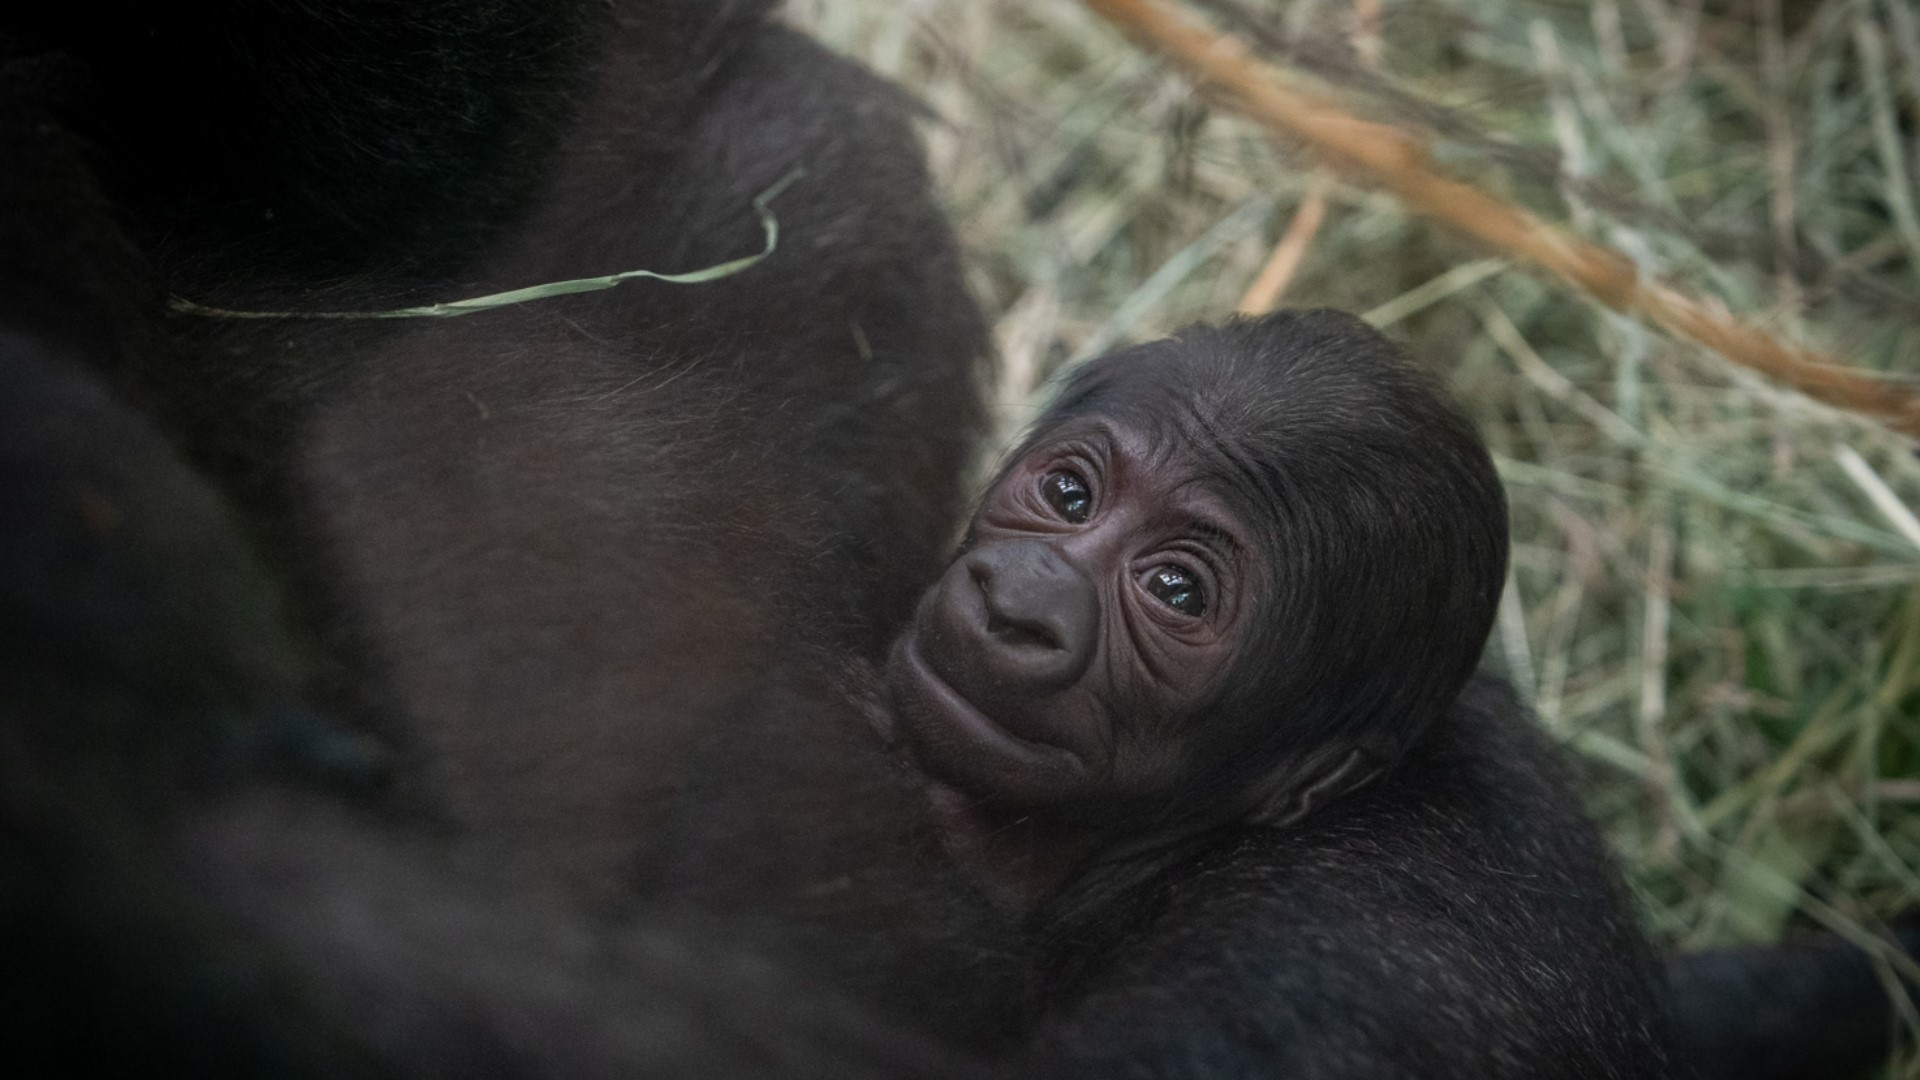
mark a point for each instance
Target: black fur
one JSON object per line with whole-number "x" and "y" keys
{"x": 1458, "y": 919}
{"x": 1811, "y": 1006}
{"x": 1375, "y": 504}
{"x": 476, "y": 589}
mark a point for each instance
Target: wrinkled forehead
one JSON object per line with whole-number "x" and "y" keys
{"x": 1194, "y": 423}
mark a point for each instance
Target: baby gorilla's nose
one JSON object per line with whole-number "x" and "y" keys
{"x": 1040, "y": 613}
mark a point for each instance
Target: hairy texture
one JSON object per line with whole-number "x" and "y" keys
{"x": 1460, "y": 919}
{"x": 833, "y": 852}
{"x": 330, "y": 135}
{"x": 642, "y": 493}
{"x": 1813, "y": 1006}
{"x": 1374, "y": 499}
{"x": 505, "y": 576}
{"x": 648, "y": 490}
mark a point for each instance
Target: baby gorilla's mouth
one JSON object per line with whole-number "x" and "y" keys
{"x": 952, "y": 737}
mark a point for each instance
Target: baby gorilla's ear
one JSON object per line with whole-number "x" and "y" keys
{"x": 1297, "y": 788}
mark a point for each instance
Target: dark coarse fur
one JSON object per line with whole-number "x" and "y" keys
{"x": 494, "y": 576}
{"x": 1811, "y": 1006}
{"x": 834, "y": 857}
{"x": 1374, "y": 499}
{"x": 1458, "y": 919}
{"x": 680, "y": 475}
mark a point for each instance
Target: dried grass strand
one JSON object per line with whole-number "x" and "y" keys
{"x": 1271, "y": 283}
{"x": 1396, "y": 160}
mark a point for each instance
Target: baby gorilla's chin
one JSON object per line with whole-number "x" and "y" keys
{"x": 954, "y": 742}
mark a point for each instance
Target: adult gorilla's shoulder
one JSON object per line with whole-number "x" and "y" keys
{"x": 347, "y": 660}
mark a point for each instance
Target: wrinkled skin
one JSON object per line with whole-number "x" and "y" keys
{"x": 1090, "y": 620}
{"x": 1165, "y": 614}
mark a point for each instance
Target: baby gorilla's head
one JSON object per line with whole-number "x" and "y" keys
{"x": 1229, "y": 575}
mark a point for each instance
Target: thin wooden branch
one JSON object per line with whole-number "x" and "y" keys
{"x": 1277, "y": 274}
{"x": 1397, "y": 161}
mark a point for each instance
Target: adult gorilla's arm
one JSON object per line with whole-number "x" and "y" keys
{"x": 191, "y": 874}
{"x": 1809, "y": 1008}
{"x": 344, "y": 947}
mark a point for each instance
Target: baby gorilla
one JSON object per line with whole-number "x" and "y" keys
{"x": 1230, "y": 576}
{"x": 1195, "y": 696}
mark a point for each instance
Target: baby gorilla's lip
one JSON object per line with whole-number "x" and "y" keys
{"x": 939, "y": 696}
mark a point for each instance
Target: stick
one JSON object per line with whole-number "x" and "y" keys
{"x": 1396, "y": 160}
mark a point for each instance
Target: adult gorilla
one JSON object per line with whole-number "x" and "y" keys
{"x": 534, "y": 549}
{"x": 491, "y": 576}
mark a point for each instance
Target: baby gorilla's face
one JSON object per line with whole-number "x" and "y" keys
{"x": 1068, "y": 654}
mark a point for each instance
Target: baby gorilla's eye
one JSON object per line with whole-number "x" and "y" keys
{"x": 1176, "y": 588}
{"x": 1067, "y": 493}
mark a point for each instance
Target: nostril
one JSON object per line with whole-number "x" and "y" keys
{"x": 1021, "y": 635}
{"x": 1031, "y": 627}
{"x": 1011, "y": 628}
